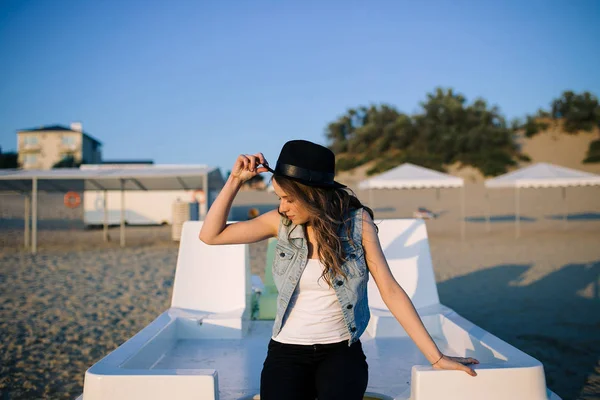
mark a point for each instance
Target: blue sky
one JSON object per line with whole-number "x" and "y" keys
{"x": 199, "y": 82}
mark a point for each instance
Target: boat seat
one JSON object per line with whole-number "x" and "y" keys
{"x": 267, "y": 302}
{"x": 406, "y": 249}
{"x": 213, "y": 282}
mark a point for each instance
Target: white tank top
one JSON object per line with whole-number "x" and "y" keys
{"x": 314, "y": 315}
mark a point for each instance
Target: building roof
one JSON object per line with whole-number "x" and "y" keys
{"x": 409, "y": 176}
{"x": 120, "y": 162}
{"x": 174, "y": 177}
{"x": 59, "y": 128}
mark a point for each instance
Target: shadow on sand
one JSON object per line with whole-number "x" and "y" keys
{"x": 555, "y": 319}
{"x": 384, "y": 209}
{"x": 586, "y": 216}
{"x": 46, "y": 223}
{"x": 501, "y": 218}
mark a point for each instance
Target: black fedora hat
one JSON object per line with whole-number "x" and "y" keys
{"x": 308, "y": 163}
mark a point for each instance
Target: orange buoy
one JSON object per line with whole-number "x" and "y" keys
{"x": 72, "y": 199}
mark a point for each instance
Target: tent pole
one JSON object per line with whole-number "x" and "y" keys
{"x": 122, "y": 232}
{"x": 566, "y": 204}
{"x": 27, "y": 220}
{"x": 34, "y": 204}
{"x": 462, "y": 207}
{"x": 437, "y": 202}
{"x": 204, "y": 204}
{"x": 105, "y": 227}
{"x": 488, "y": 226}
{"x": 517, "y": 213}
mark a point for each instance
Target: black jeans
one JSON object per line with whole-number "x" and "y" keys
{"x": 327, "y": 371}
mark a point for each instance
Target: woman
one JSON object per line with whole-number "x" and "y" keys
{"x": 327, "y": 246}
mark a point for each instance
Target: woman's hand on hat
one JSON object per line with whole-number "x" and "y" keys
{"x": 248, "y": 166}
{"x": 456, "y": 363}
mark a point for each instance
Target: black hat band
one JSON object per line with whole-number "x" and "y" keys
{"x": 305, "y": 174}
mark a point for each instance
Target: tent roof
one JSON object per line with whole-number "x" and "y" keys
{"x": 409, "y": 176}
{"x": 543, "y": 175}
{"x": 141, "y": 178}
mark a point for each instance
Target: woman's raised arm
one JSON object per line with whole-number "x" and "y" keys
{"x": 215, "y": 229}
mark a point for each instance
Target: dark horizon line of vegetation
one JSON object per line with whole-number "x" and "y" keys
{"x": 448, "y": 130}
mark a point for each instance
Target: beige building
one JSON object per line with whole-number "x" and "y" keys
{"x": 43, "y": 147}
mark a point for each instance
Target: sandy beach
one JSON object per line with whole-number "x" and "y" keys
{"x": 79, "y": 298}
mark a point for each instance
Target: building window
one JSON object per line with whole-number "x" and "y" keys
{"x": 30, "y": 140}
{"x": 68, "y": 140}
{"x": 30, "y": 159}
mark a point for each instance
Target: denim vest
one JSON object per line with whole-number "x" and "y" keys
{"x": 291, "y": 258}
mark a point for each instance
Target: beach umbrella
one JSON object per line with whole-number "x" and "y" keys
{"x": 410, "y": 176}
{"x": 540, "y": 175}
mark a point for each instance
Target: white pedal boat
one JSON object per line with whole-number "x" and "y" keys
{"x": 206, "y": 346}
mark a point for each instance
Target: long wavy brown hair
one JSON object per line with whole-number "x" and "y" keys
{"x": 329, "y": 209}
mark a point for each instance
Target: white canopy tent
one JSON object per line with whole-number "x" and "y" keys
{"x": 540, "y": 175}
{"x": 410, "y": 176}
{"x": 31, "y": 182}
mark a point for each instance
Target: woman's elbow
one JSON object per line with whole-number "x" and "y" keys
{"x": 205, "y": 238}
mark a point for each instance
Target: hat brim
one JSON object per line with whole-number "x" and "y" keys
{"x": 333, "y": 185}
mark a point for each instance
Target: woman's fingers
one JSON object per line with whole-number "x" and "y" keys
{"x": 247, "y": 165}
{"x": 467, "y": 360}
{"x": 244, "y": 161}
{"x": 253, "y": 161}
{"x": 261, "y": 158}
{"x": 257, "y": 162}
{"x": 458, "y": 363}
{"x": 239, "y": 164}
{"x": 469, "y": 371}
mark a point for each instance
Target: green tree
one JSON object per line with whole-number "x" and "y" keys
{"x": 532, "y": 126}
{"x": 575, "y": 112}
{"x": 447, "y": 130}
{"x": 578, "y": 111}
{"x": 593, "y": 154}
{"x": 67, "y": 162}
{"x": 450, "y": 130}
{"x": 9, "y": 160}
{"x": 364, "y": 133}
